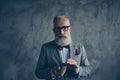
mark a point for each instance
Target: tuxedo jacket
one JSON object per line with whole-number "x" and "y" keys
{"x": 50, "y": 57}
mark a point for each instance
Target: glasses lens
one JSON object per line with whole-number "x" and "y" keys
{"x": 65, "y": 28}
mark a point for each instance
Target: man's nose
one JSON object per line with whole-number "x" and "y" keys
{"x": 61, "y": 31}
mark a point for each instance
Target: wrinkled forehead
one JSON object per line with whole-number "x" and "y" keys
{"x": 61, "y": 21}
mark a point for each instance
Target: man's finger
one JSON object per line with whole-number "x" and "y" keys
{"x": 59, "y": 72}
{"x": 71, "y": 62}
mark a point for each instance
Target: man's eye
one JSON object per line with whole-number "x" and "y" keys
{"x": 64, "y": 28}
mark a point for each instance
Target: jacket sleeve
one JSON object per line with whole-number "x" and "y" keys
{"x": 42, "y": 70}
{"x": 84, "y": 67}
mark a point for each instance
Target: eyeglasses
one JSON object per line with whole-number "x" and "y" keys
{"x": 59, "y": 28}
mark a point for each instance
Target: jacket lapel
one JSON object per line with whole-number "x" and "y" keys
{"x": 57, "y": 54}
{"x": 72, "y": 49}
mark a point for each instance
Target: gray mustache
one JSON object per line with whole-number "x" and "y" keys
{"x": 61, "y": 36}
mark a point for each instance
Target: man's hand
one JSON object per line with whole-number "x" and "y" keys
{"x": 58, "y": 71}
{"x": 72, "y": 64}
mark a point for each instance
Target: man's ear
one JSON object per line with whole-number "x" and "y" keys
{"x": 70, "y": 28}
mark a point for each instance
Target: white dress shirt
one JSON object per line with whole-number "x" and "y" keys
{"x": 64, "y": 53}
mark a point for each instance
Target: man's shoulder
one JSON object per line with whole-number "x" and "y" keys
{"x": 78, "y": 44}
{"x": 50, "y": 43}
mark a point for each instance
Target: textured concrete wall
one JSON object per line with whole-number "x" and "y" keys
{"x": 26, "y": 24}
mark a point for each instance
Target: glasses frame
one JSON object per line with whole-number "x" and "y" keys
{"x": 59, "y": 28}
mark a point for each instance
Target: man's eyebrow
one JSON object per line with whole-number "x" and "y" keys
{"x": 62, "y": 26}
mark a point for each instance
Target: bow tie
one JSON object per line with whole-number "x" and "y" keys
{"x": 61, "y": 47}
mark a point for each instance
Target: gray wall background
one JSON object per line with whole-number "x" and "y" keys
{"x": 26, "y": 24}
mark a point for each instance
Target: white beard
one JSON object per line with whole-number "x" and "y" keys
{"x": 63, "y": 41}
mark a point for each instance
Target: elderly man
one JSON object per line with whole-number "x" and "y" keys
{"x": 62, "y": 59}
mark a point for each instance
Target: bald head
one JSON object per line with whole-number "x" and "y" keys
{"x": 61, "y": 21}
